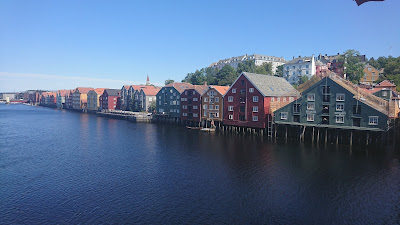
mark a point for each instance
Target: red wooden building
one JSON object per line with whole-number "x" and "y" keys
{"x": 110, "y": 99}
{"x": 191, "y": 104}
{"x": 252, "y": 98}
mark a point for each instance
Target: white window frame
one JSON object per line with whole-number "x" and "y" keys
{"x": 339, "y": 106}
{"x": 230, "y": 98}
{"x": 195, "y": 107}
{"x": 216, "y": 99}
{"x": 216, "y": 106}
{"x": 195, "y": 115}
{"x": 309, "y": 106}
{"x": 184, "y": 114}
{"x": 184, "y": 106}
{"x": 338, "y": 95}
{"x": 205, "y": 99}
{"x": 230, "y": 108}
{"x": 373, "y": 120}
{"x": 195, "y": 99}
{"x": 233, "y": 90}
{"x": 255, "y": 98}
{"x": 255, "y": 118}
{"x": 230, "y": 116}
{"x": 255, "y": 108}
{"x": 284, "y": 115}
{"x": 310, "y": 117}
{"x": 339, "y": 119}
{"x": 204, "y": 106}
{"x": 311, "y": 97}
{"x": 251, "y": 90}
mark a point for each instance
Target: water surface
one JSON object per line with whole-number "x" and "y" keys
{"x": 63, "y": 167}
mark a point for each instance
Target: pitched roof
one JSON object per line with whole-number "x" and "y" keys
{"x": 385, "y": 83}
{"x": 112, "y": 92}
{"x": 221, "y": 89}
{"x": 201, "y": 88}
{"x": 63, "y": 92}
{"x": 271, "y": 85}
{"x": 150, "y": 90}
{"x": 295, "y": 60}
{"x": 126, "y": 86}
{"x": 180, "y": 87}
{"x": 99, "y": 91}
{"x": 84, "y": 90}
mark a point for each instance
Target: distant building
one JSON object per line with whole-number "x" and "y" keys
{"x": 191, "y": 99}
{"x": 93, "y": 102}
{"x": 79, "y": 97}
{"x": 168, "y": 99}
{"x": 257, "y": 59}
{"x": 335, "y": 62}
{"x": 61, "y": 98}
{"x": 110, "y": 99}
{"x": 213, "y": 104}
{"x": 147, "y": 96}
{"x": 298, "y": 67}
{"x": 371, "y": 75}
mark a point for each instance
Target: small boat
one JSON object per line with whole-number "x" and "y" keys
{"x": 193, "y": 128}
{"x": 208, "y": 129}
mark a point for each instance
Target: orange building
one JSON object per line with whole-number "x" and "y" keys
{"x": 371, "y": 75}
{"x": 212, "y": 101}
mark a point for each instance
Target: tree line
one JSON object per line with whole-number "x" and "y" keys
{"x": 226, "y": 75}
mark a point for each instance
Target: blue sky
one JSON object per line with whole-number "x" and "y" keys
{"x": 66, "y": 43}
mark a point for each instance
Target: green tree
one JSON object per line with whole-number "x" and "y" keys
{"x": 168, "y": 81}
{"x": 226, "y": 76}
{"x": 152, "y": 107}
{"x": 303, "y": 79}
{"x": 374, "y": 63}
{"x": 279, "y": 71}
{"x": 353, "y": 68}
{"x": 392, "y": 71}
{"x": 246, "y": 66}
{"x": 196, "y": 78}
{"x": 211, "y": 75}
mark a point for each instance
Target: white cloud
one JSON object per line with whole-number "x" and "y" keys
{"x": 21, "y": 82}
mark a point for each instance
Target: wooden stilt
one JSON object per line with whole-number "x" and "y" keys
{"x": 317, "y": 135}
{"x": 326, "y": 136}
{"x": 337, "y": 136}
{"x": 351, "y": 138}
{"x": 286, "y": 133}
{"x": 312, "y": 137}
{"x": 367, "y": 137}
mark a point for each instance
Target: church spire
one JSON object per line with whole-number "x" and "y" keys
{"x": 148, "y": 80}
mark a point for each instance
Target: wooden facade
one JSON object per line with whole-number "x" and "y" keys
{"x": 333, "y": 102}
{"x": 247, "y": 102}
{"x": 213, "y": 102}
{"x": 168, "y": 100}
{"x": 191, "y": 103}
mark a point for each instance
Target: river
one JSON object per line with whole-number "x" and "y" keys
{"x": 63, "y": 167}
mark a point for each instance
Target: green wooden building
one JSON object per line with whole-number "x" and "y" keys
{"x": 168, "y": 99}
{"x": 332, "y": 102}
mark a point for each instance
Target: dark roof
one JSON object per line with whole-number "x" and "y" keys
{"x": 112, "y": 92}
{"x": 271, "y": 85}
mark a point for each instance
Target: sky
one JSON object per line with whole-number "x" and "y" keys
{"x": 68, "y": 43}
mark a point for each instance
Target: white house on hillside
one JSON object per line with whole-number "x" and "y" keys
{"x": 294, "y": 69}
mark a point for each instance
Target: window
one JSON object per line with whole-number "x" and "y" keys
{"x": 230, "y": 98}
{"x": 255, "y": 108}
{"x": 185, "y": 92}
{"x": 369, "y": 68}
{"x": 307, "y": 72}
{"x": 242, "y": 82}
{"x": 204, "y": 106}
{"x": 310, "y": 117}
{"x": 231, "y": 117}
{"x": 196, "y": 107}
{"x": 339, "y": 106}
{"x": 194, "y": 92}
{"x": 177, "y": 110}
{"x": 291, "y": 99}
{"x": 217, "y": 107}
{"x": 184, "y": 114}
{"x": 311, "y": 97}
{"x": 233, "y": 90}
{"x": 170, "y": 97}
{"x": 205, "y": 113}
{"x": 159, "y": 97}
{"x": 211, "y": 107}
{"x": 307, "y": 66}
{"x": 384, "y": 93}
{"x": 216, "y": 114}
{"x": 184, "y": 106}
{"x": 205, "y": 99}
{"x": 255, "y": 118}
{"x": 340, "y": 97}
{"x": 310, "y": 106}
{"x": 272, "y": 99}
{"x": 170, "y": 90}
{"x": 296, "y": 108}
{"x": 373, "y": 120}
{"x": 326, "y": 89}
{"x": 183, "y": 99}
{"x": 284, "y": 115}
{"x": 174, "y": 94}
{"x": 339, "y": 119}
{"x": 251, "y": 90}
{"x": 216, "y": 99}
{"x": 230, "y": 108}
{"x": 195, "y": 99}
{"x": 195, "y": 115}
{"x": 255, "y": 98}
